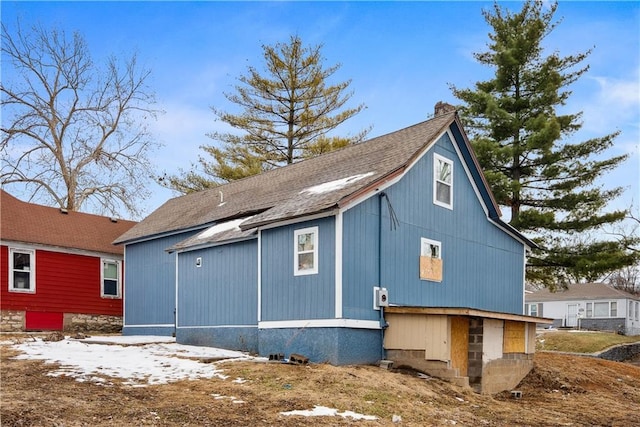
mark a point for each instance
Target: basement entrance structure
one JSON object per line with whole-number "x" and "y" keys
{"x": 488, "y": 351}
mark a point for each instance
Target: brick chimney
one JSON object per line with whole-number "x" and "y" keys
{"x": 443, "y": 108}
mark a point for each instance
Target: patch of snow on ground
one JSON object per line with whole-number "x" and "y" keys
{"x": 138, "y": 360}
{"x": 338, "y": 184}
{"x": 323, "y": 411}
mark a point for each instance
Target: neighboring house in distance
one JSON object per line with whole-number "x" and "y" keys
{"x": 593, "y": 306}
{"x": 305, "y": 258}
{"x": 59, "y": 270}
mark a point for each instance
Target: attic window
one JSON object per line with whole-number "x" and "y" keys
{"x": 305, "y": 259}
{"x": 442, "y": 181}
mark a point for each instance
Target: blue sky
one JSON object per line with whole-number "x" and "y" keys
{"x": 400, "y": 56}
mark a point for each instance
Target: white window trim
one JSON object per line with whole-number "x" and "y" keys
{"x": 296, "y": 269}
{"x": 593, "y": 309}
{"x": 424, "y": 240}
{"x": 436, "y": 158}
{"x": 119, "y": 273}
{"x": 32, "y": 270}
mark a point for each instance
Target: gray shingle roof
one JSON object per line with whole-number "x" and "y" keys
{"x": 288, "y": 192}
{"x": 581, "y": 291}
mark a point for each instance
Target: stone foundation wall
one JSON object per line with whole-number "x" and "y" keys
{"x": 12, "y": 321}
{"x": 74, "y": 322}
{"x": 505, "y": 374}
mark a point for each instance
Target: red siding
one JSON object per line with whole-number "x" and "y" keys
{"x": 37, "y": 321}
{"x": 65, "y": 283}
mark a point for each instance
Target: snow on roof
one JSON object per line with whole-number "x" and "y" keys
{"x": 337, "y": 184}
{"x": 223, "y": 226}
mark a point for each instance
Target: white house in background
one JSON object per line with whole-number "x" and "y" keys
{"x": 593, "y": 306}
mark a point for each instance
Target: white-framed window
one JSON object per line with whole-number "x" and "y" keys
{"x": 631, "y": 310}
{"x": 602, "y": 309}
{"x": 430, "y": 248}
{"x": 533, "y": 310}
{"x": 614, "y": 309}
{"x": 637, "y": 310}
{"x": 442, "y": 181}
{"x": 22, "y": 270}
{"x": 110, "y": 279}
{"x": 305, "y": 253}
{"x": 430, "y": 260}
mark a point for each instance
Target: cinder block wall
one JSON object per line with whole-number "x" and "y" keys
{"x": 505, "y": 374}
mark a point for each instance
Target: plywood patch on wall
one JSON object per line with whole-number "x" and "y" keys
{"x": 514, "y": 337}
{"x": 460, "y": 344}
{"x": 430, "y": 268}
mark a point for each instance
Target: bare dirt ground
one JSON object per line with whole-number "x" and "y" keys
{"x": 562, "y": 390}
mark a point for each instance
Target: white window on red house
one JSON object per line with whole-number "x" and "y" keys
{"x": 22, "y": 270}
{"x": 110, "y": 279}
{"x": 442, "y": 181}
{"x": 305, "y": 260}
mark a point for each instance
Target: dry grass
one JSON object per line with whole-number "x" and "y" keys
{"x": 581, "y": 342}
{"x": 561, "y": 390}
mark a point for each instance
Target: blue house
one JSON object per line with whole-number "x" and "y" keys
{"x": 389, "y": 249}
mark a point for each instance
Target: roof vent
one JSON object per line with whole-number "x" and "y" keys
{"x": 443, "y": 108}
{"x": 64, "y": 211}
{"x": 112, "y": 219}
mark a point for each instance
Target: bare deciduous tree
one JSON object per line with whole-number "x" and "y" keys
{"x": 73, "y": 133}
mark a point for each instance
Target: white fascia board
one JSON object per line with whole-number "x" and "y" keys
{"x": 214, "y": 244}
{"x": 217, "y": 326}
{"x": 159, "y": 325}
{"x": 298, "y": 220}
{"x": 320, "y": 323}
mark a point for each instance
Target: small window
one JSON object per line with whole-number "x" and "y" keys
{"x": 430, "y": 248}
{"x": 110, "y": 279}
{"x": 589, "y": 309}
{"x": 306, "y": 251}
{"x": 638, "y": 311}
{"x": 614, "y": 309}
{"x": 631, "y": 310}
{"x": 22, "y": 274}
{"x": 430, "y": 260}
{"x": 533, "y": 310}
{"x": 442, "y": 181}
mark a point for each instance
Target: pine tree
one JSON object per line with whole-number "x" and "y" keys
{"x": 526, "y": 150}
{"x": 287, "y": 111}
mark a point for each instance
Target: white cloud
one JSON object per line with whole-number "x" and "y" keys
{"x": 614, "y": 105}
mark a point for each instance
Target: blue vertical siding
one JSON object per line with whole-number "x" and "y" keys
{"x": 338, "y": 346}
{"x": 482, "y": 265}
{"x": 360, "y": 260}
{"x": 149, "y": 292}
{"x": 223, "y": 291}
{"x": 289, "y": 297}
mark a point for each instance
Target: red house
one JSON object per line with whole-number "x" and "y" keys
{"x": 59, "y": 270}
